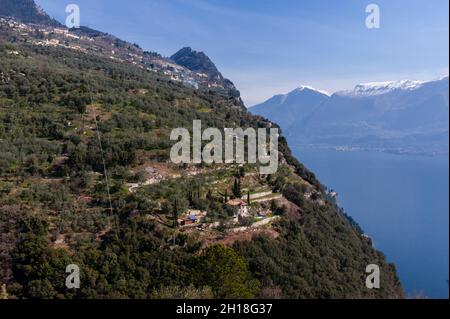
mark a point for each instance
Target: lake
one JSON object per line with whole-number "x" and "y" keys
{"x": 401, "y": 202}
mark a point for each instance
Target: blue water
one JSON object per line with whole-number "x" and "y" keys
{"x": 402, "y": 202}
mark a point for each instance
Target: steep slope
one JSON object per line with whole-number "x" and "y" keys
{"x": 25, "y": 11}
{"x": 201, "y": 64}
{"x": 48, "y": 142}
{"x": 85, "y": 178}
{"x": 197, "y": 62}
{"x": 108, "y": 46}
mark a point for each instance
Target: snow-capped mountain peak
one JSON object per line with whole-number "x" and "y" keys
{"x": 307, "y": 87}
{"x": 378, "y": 88}
{"x": 302, "y": 88}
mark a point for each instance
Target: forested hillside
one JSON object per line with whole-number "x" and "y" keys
{"x": 26, "y": 11}
{"x": 85, "y": 178}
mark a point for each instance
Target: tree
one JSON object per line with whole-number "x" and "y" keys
{"x": 176, "y": 292}
{"x": 175, "y": 213}
{"x": 237, "y": 188}
{"x": 179, "y": 205}
{"x": 226, "y": 272}
{"x": 36, "y": 266}
{"x": 241, "y": 172}
{"x": 246, "y": 221}
{"x": 273, "y": 205}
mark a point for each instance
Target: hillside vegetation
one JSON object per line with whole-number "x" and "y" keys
{"x": 66, "y": 115}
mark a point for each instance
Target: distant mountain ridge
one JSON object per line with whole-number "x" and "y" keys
{"x": 377, "y": 88}
{"x": 285, "y": 110}
{"x": 400, "y": 116}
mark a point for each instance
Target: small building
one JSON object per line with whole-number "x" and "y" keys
{"x": 236, "y": 202}
{"x": 198, "y": 213}
{"x": 242, "y": 208}
{"x": 188, "y": 221}
{"x": 191, "y": 217}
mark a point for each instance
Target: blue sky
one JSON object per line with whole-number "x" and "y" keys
{"x": 268, "y": 47}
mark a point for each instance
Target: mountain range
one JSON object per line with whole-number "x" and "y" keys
{"x": 400, "y": 116}
{"x": 86, "y": 179}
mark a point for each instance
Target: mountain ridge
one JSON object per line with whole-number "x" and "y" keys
{"x": 85, "y": 132}
{"x": 201, "y": 64}
{"x": 26, "y": 11}
{"x": 85, "y": 39}
{"x": 378, "y": 88}
{"x": 195, "y": 68}
{"x": 196, "y": 61}
{"x": 399, "y": 116}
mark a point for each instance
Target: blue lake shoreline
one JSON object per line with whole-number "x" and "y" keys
{"x": 401, "y": 202}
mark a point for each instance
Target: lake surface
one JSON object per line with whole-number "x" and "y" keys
{"x": 401, "y": 202}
